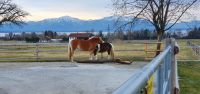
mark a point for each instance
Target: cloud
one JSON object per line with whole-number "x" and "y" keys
{"x": 84, "y": 9}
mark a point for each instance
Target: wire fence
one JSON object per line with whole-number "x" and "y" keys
{"x": 195, "y": 48}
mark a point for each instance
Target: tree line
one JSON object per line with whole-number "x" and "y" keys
{"x": 34, "y": 37}
{"x": 109, "y": 36}
{"x": 194, "y": 33}
{"x": 150, "y": 35}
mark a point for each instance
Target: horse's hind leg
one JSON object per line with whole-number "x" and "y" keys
{"x": 112, "y": 53}
{"x": 71, "y": 54}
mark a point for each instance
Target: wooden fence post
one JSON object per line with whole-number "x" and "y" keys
{"x": 37, "y": 52}
{"x": 145, "y": 49}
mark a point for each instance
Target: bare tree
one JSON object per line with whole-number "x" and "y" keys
{"x": 11, "y": 13}
{"x": 162, "y": 14}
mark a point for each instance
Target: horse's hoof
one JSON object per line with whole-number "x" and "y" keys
{"x": 90, "y": 58}
{"x": 72, "y": 61}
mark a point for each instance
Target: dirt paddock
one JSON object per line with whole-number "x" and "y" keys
{"x": 64, "y": 78}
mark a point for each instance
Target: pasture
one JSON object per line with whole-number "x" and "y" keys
{"x": 189, "y": 74}
{"x": 126, "y": 50}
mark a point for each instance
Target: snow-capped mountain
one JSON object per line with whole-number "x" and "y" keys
{"x": 70, "y": 24}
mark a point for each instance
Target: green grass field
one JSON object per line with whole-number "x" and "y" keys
{"x": 189, "y": 73}
{"x": 186, "y": 53}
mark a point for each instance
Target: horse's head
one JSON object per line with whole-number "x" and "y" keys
{"x": 96, "y": 39}
{"x": 100, "y": 40}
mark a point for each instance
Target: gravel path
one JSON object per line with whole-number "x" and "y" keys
{"x": 64, "y": 78}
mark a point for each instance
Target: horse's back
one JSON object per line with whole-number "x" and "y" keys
{"x": 81, "y": 44}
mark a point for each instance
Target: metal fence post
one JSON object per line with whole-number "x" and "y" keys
{"x": 175, "y": 84}
{"x": 173, "y": 67}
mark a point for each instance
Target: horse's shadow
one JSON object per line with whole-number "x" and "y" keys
{"x": 95, "y": 61}
{"x": 117, "y": 61}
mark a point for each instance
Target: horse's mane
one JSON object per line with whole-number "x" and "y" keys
{"x": 94, "y": 38}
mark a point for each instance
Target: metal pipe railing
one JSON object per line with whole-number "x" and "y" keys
{"x": 164, "y": 65}
{"x": 138, "y": 81}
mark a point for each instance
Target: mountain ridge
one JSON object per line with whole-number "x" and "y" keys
{"x": 71, "y": 24}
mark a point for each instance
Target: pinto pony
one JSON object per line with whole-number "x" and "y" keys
{"x": 84, "y": 45}
{"x": 104, "y": 47}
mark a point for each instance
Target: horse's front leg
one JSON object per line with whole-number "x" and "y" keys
{"x": 96, "y": 57}
{"x": 109, "y": 57}
{"x": 101, "y": 55}
{"x": 71, "y": 54}
{"x": 91, "y": 56}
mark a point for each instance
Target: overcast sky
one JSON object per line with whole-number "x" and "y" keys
{"x": 83, "y": 9}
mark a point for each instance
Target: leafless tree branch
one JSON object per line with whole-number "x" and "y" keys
{"x": 162, "y": 14}
{"x": 11, "y": 13}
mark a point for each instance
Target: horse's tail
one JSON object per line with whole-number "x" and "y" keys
{"x": 112, "y": 52}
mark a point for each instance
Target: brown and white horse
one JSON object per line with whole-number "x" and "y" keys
{"x": 84, "y": 45}
{"x": 104, "y": 47}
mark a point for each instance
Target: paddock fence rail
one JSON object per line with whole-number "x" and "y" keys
{"x": 195, "y": 48}
{"x": 31, "y": 51}
{"x": 163, "y": 67}
{"x": 37, "y": 51}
